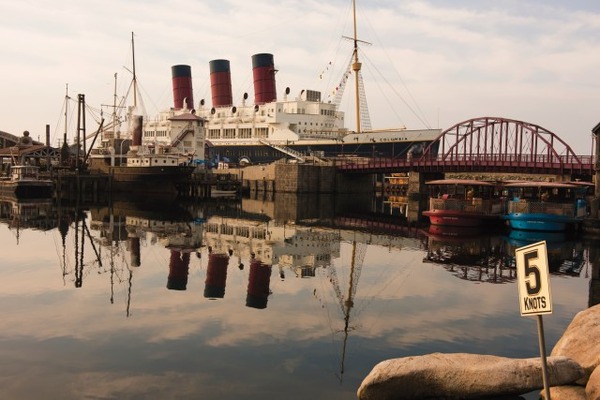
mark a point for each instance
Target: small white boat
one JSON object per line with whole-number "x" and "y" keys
{"x": 24, "y": 182}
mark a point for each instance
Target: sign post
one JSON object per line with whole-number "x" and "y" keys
{"x": 534, "y": 292}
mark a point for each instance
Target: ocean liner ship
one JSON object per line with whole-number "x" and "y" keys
{"x": 269, "y": 129}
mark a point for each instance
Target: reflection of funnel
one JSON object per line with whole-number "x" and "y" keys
{"x": 216, "y": 275}
{"x": 258, "y": 285}
{"x": 179, "y": 265}
{"x": 134, "y": 248}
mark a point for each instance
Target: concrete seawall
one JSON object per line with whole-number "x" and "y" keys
{"x": 300, "y": 178}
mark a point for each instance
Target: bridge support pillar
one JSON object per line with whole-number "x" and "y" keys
{"x": 417, "y": 196}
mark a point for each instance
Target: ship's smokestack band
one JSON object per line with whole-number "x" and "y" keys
{"x": 263, "y": 71}
{"x": 220, "y": 83}
{"x": 182, "y": 86}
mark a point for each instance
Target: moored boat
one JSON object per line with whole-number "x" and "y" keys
{"x": 463, "y": 202}
{"x": 545, "y": 206}
{"x": 137, "y": 167}
{"x": 24, "y": 182}
{"x": 142, "y": 169}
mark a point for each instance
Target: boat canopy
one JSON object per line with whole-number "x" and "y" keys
{"x": 541, "y": 184}
{"x": 469, "y": 182}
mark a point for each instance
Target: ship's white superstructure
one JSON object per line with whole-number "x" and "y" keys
{"x": 268, "y": 128}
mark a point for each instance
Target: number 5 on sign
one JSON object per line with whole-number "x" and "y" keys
{"x": 532, "y": 277}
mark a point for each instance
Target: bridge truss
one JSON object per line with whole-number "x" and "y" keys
{"x": 490, "y": 144}
{"x": 503, "y": 139}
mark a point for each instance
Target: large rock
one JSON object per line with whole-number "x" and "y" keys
{"x": 569, "y": 392}
{"x": 592, "y": 389}
{"x": 464, "y": 376}
{"x": 580, "y": 341}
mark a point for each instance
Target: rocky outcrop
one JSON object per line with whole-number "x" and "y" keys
{"x": 592, "y": 389}
{"x": 464, "y": 376}
{"x": 570, "y": 392}
{"x": 580, "y": 341}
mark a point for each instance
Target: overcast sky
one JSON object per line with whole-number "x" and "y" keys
{"x": 429, "y": 63}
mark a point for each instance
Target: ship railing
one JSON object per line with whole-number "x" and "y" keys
{"x": 534, "y": 207}
{"x": 296, "y": 154}
{"x": 334, "y": 135}
{"x": 476, "y": 205}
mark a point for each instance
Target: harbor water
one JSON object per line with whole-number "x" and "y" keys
{"x": 294, "y": 298}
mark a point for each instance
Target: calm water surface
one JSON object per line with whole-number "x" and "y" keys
{"x": 262, "y": 299}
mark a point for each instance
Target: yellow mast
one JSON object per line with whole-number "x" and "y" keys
{"x": 356, "y": 65}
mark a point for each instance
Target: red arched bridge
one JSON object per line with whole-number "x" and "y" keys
{"x": 487, "y": 144}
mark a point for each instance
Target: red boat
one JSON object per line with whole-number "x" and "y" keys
{"x": 463, "y": 202}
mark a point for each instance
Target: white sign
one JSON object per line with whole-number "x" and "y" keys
{"x": 532, "y": 278}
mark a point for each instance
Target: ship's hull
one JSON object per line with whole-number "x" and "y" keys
{"x": 156, "y": 180}
{"x": 261, "y": 153}
{"x": 541, "y": 222}
{"x": 27, "y": 189}
{"x": 457, "y": 218}
{"x": 146, "y": 179}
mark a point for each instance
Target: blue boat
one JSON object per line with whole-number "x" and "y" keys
{"x": 545, "y": 206}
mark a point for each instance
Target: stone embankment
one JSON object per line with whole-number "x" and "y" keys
{"x": 572, "y": 371}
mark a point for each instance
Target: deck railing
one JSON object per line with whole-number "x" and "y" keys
{"x": 497, "y": 162}
{"x": 475, "y": 205}
{"x": 533, "y": 207}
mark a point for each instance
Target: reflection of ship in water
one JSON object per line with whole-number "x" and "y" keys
{"x": 216, "y": 275}
{"x": 288, "y": 236}
{"x": 469, "y": 254}
{"x": 484, "y": 257}
{"x": 259, "y": 281}
{"x": 264, "y": 242}
{"x": 127, "y": 227}
{"x": 565, "y": 256}
{"x": 38, "y": 214}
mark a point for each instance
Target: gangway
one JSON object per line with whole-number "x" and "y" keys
{"x": 286, "y": 150}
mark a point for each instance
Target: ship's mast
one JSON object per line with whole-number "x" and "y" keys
{"x": 114, "y": 113}
{"x": 356, "y": 65}
{"x": 134, "y": 76}
{"x": 66, "y": 111}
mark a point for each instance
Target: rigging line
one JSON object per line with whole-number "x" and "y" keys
{"x": 390, "y": 62}
{"x": 61, "y": 119}
{"x": 341, "y": 39}
{"x": 71, "y": 114}
{"x": 405, "y": 275}
{"x": 162, "y": 98}
{"x": 419, "y": 117}
{"x": 343, "y": 21}
{"x": 93, "y": 113}
{"x": 324, "y": 306}
{"x": 383, "y": 92}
